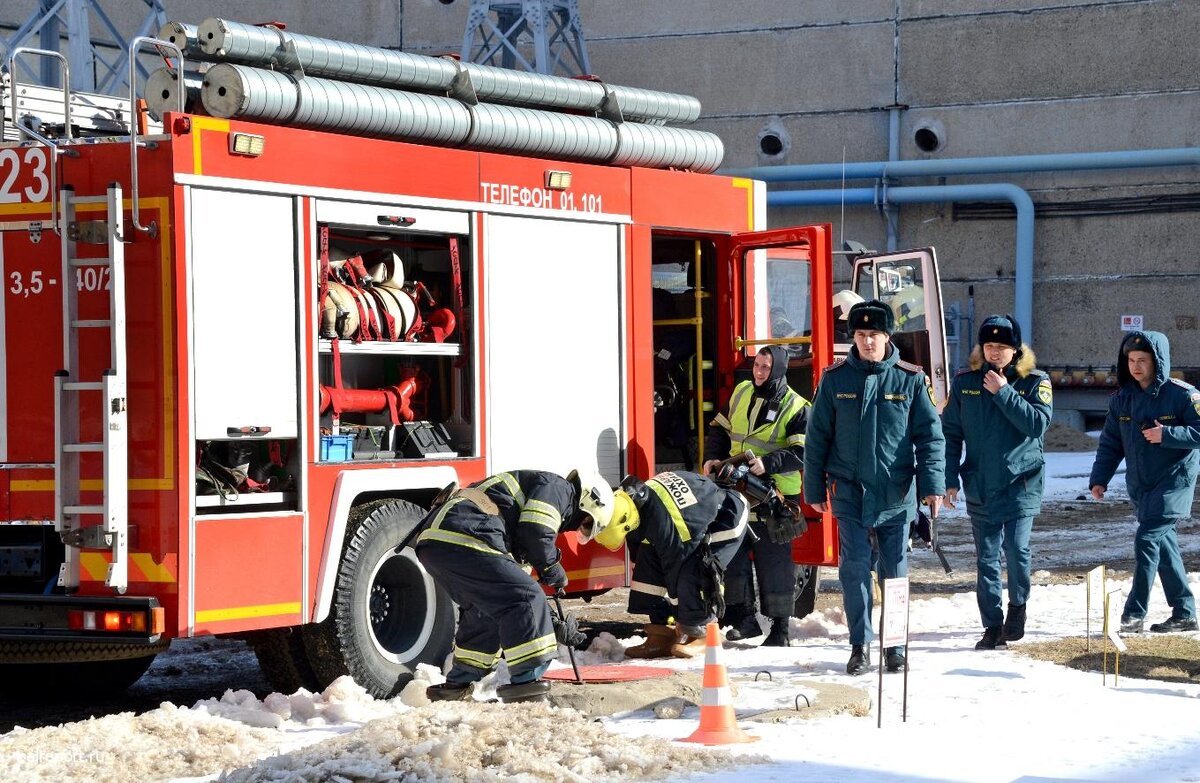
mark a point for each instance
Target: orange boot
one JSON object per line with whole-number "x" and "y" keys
{"x": 690, "y": 642}
{"x": 658, "y": 644}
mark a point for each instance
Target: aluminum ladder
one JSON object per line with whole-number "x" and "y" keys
{"x": 72, "y": 518}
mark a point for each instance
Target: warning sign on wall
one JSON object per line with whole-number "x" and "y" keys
{"x": 1132, "y": 323}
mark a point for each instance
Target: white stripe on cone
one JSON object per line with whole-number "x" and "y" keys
{"x": 716, "y": 697}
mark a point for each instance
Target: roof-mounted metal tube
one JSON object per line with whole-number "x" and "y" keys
{"x": 238, "y": 91}
{"x": 227, "y": 41}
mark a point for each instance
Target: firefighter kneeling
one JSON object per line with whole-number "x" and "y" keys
{"x": 473, "y": 543}
{"x": 687, "y": 530}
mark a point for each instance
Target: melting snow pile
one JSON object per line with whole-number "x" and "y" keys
{"x": 458, "y": 741}
{"x": 168, "y": 742}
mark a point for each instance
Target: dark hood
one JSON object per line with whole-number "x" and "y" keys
{"x": 1159, "y": 347}
{"x": 775, "y": 385}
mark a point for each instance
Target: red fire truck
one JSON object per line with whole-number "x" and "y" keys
{"x": 211, "y": 422}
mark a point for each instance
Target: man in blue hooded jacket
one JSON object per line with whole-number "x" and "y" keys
{"x": 1153, "y": 424}
{"x": 999, "y": 409}
{"x": 874, "y": 443}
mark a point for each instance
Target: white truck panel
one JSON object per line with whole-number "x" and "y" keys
{"x": 244, "y": 352}
{"x": 554, "y": 336}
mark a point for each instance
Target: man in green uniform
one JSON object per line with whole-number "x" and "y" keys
{"x": 874, "y": 442}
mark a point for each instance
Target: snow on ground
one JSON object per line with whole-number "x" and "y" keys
{"x": 972, "y": 716}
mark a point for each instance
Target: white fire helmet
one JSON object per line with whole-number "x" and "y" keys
{"x": 595, "y": 502}
{"x": 842, "y": 302}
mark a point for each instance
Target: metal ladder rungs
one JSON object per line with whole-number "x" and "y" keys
{"x": 84, "y": 386}
{"x": 77, "y": 510}
{"x": 78, "y": 262}
{"x": 83, "y": 446}
{"x": 93, "y": 324}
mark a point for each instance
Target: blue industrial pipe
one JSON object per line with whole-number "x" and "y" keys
{"x": 933, "y": 194}
{"x": 950, "y": 167}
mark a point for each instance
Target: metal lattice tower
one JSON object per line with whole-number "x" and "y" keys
{"x": 98, "y": 63}
{"x": 502, "y": 34}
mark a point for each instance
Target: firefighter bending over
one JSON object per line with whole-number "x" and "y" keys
{"x": 685, "y": 530}
{"x": 473, "y": 544}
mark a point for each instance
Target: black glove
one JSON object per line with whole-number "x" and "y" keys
{"x": 920, "y": 530}
{"x": 566, "y": 629}
{"x": 782, "y": 523}
{"x": 553, "y": 575}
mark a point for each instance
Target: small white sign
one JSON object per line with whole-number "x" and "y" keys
{"x": 1095, "y": 588}
{"x": 1112, "y": 613}
{"x": 895, "y": 612}
{"x": 1132, "y": 323}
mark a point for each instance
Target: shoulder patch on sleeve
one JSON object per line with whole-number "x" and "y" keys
{"x": 909, "y": 367}
{"x": 1045, "y": 391}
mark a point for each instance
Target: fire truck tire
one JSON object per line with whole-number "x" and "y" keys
{"x": 388, "y": 615}
{"x": 283, "y": 659}
{"x": 808, "y": 585}
{"x": 30, "y": 669}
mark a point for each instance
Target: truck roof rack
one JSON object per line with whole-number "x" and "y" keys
{"x": 92, "y": 114}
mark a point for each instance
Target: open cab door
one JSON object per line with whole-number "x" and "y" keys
{"x": 783, "y": 295}
{"x": 908, "y": 282}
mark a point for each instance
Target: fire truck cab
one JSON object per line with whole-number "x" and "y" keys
{"x": 239, "y": 360}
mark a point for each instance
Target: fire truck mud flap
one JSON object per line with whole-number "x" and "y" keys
{"x": 34, "y": 669}
{"x": 388, "y": 615}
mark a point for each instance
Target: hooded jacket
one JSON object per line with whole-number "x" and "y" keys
{"x": 873, "y": 430}
{"x": 1160, "y": 477}
{"x": 1004, "y": 433}
{"x": 770, "y": 420}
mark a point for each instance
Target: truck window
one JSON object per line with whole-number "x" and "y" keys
{"x": 789, "y": 300}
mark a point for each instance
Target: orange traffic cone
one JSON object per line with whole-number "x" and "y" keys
{"x": 717, "y": 725}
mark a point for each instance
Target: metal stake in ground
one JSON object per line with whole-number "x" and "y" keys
{"x": 570, "y": 650}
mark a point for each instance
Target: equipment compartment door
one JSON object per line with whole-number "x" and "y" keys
{"x": 554, "y": 335}
{"x": 244, "y": 350}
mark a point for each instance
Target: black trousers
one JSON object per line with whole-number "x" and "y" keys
{"x": 771, "y": 568}
{"x": 502, "y": 611}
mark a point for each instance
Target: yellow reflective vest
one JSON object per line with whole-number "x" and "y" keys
{"x": 769, "y": 436}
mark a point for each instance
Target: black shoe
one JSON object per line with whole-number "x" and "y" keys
{"x": 1014, "y": 624}
{"x": 860, "y": 659}
{"x": 537, "y": 690}
{"x": 745, "y": 628}
{"x": 1131, "y": 625}
{"x": 446, "y": 691}
{"x": 993, "y": 637}
{"x": 1174, "y": 625}
{"x": 894, "y": 659}
{"x": 778, "y": 637}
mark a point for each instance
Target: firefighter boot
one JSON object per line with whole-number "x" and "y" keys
{"x": 690, "y": 641}
{"x": 659, "y": 639}
{"x": 537, "y": 690}
{"x": 448, "y": 691}
{"x": 778, "y": 637}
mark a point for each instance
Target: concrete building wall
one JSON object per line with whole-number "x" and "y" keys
{"x": 996, "y": 77}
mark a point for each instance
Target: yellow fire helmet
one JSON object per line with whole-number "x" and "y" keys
{"x": 624, "y": 519}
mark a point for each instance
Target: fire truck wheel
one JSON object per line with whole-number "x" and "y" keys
{"x": 388, "y": 615}
{"x": 283, "y": 660}
{"x": 808, "y": 584}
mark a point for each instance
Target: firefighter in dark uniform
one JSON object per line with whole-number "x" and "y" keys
{"x": 1153, "y": 424}
{"x": 474, "y": 545}
{"x": 686, "y": 529}
{"x": 873, "y": 434}
{"x": 767, "y": 418}
{"x": 999, "y": 411}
